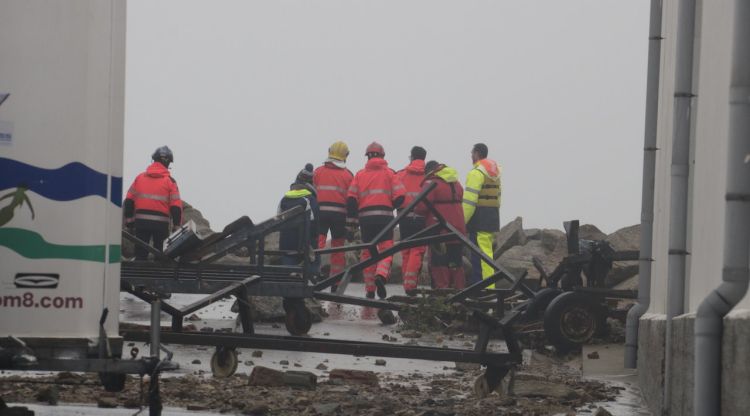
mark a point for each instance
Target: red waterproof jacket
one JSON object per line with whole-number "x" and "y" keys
{"x": 375, "y": 188}
{"x": 412, "y": 177}
{"x": 446, "y": 197}
{"x": 332, "y": 184}
{"x": 153, "y": 193}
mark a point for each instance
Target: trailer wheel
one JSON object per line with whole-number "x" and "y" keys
{"x": 570, "y": 320}
{"x": 298, "y": 319}
{"x": 538, "y": 304}
{"x": 224, "y": 362}
{"x": 113, "y": 382}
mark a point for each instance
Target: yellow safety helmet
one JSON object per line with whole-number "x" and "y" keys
{"x": 338, "y": 151}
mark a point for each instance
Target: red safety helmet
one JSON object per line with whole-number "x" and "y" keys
{"x": 375, "y": 148}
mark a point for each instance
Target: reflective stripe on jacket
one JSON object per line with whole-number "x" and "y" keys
{"x": 412, "y": 177}
{"x": 481, "y": 203}
{"x": 154, "y": 192}
{"x": 375, "y": 188}
{"x": 332, "y": 183}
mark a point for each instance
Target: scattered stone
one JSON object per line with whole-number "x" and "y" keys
{"x": 302, "y": 401}
{"x": 325, "y": 334}
{"x": 411, "y": 334}
{"x": 106, "y": 402}
{"x": 49, "y": 395}
{"x": 539, "y": 388}
{"x": 297, "y": 365}
{"x": 257, "y": 410}
{"x": 389, "y": 338}
{"x": 224, "y": 330}
{"x": 593, "y": 355}
{"x": 321, "y": 367}
{"x": 325, "y": 409}
{"x": 275, "y": 326}
{"x": 131, "y": 344}
{"x": 197, "y": 407}
{"x": 196, "y": 361}
{"x": 257, "y": 354}
{"x": 189, "y": 327}
{"x": 284, "y": 362}
{"x": 354, "y": 376}
{"x": 602, "y": 412}
{"x": 467, "y": 366}
{"x": 193, "y": 318}
{"x": 304, "y": 379}
{"x": 264, "y": 376}
{"x": 201, "y": 348}
{"x": 131, "y": 403}
{"x": 249, "y": 363}
{"x": 207, "y": 329}
{"x": 380, "y": 361}
{"x": 66, "y": 377}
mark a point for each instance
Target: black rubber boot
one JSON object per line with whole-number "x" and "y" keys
{"x": 370, "y": 295}
{"x": 334, "y": 288}
{"x": 380, "y": 287}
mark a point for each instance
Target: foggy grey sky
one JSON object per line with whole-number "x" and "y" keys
{"x": 247, "y": 92}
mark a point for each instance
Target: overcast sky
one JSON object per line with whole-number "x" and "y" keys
{"x": 246, "y": 92}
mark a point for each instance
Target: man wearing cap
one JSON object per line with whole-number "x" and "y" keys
{"x": 301, "y": 193}
{"x": 412, "y": 177}
{"x": 331, "y": 181}
{"x": 481, "y": 205}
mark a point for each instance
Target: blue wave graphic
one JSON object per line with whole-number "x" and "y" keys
{"x": 72, "y": 181}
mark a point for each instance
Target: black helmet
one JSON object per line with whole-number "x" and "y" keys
{"x": 163, "y": 153}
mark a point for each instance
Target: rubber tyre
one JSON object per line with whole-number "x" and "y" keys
{"x": 538, "y": 304}
{"x": 571, "y": 320}
{"x": 298, "y": 319}
{"x": 224, "y": 362}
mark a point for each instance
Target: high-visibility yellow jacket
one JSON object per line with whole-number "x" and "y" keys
{"x": 481, "y": 201}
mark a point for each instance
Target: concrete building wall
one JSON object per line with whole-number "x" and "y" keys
{"x": 706, "y": 205}
{"x": 711, "y": 122}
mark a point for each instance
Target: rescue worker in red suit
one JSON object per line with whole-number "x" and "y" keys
{"x": 373, "y": 194}
{"x": 446, "y": 260}
{"x": 412, "y": 177}
{"x": 331, "y": 181}
{"x": 153, "y": 203}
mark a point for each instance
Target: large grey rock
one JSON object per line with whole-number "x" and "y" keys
{"x": 621, "y": 272}
{"x": 590, "y": 232}
{"x": 189, "y": 213}
{"x": 520, "y": 258}
{"x": 533, "y": 234}
{"x": 271, "y": 309}
{"x": 551, "y": 239}
{"x": 510, "y": 235}
{"x": 628, "y": 238}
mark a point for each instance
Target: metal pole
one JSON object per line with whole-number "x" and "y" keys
{"x": 155, "y": 328}
{"x": 735, "y": 274}
{"x": 647, "y": 199}
{"x": 683, "y": 101}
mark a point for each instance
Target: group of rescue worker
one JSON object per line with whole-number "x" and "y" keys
{"x": 339, "y": 201}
